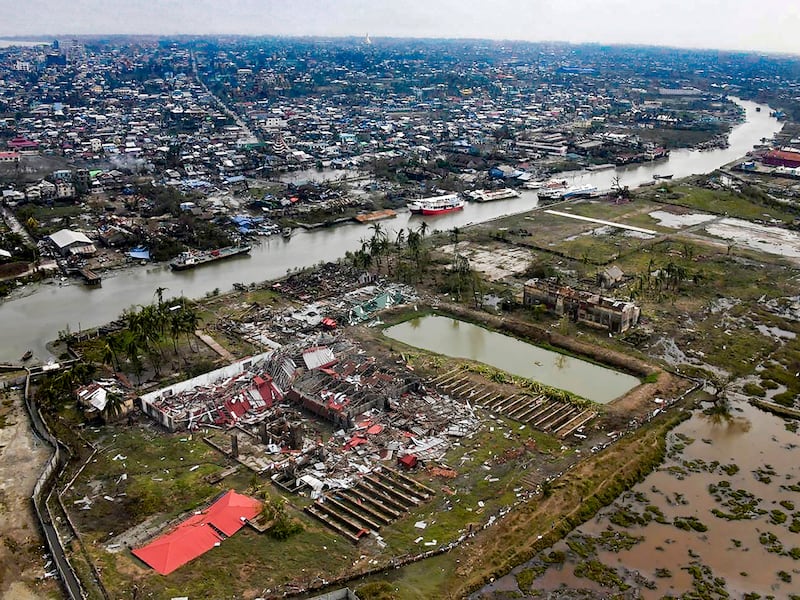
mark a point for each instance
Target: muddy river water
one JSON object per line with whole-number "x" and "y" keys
{"x": 459, "y": 339}
{"x": 737, "y": 477}
{"x": 37, "y": 316}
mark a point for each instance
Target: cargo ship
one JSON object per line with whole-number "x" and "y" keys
{"x": 491, "y": 195}
{"x": 436, "y": 205}
{"x": 195, "y": 258}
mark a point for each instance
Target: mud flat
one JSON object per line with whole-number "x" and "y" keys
{"x": 711, "y": 520}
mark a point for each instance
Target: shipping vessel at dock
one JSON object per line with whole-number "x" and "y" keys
{"x": 436, "y": 205}
{"x": 491, "y": 195}
{"x": 195, "y": 258}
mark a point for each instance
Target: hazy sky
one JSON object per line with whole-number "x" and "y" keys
{"x": 768, "y": 25}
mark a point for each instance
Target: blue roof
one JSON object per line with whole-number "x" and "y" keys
{"x": 139, "y": 254}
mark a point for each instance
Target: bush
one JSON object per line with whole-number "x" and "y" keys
{"x": 752, "y": 389}
{"x": 376, "y": 590}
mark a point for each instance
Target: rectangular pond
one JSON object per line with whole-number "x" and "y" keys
{"x": 459, "y": 339}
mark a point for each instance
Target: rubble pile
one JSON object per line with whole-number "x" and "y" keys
{"x": 321, "y": 415}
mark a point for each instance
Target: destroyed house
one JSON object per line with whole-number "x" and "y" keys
{"x": 338, "y": 391}
{"x": 582, "y": 306}
{"x": 221, "y": 397}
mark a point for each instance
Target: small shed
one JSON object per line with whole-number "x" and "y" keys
{"x": 409, "y": 461}
{"x": 610, "y": 277}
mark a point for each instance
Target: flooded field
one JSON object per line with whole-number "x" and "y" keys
{"x": 679, "y": 221}
{"x": 459, "y": 339}
{"x": 720, "y": 518}
{"x": 772, "y": 240}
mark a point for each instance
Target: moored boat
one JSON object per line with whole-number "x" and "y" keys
{"x": 491, "y": 195}
{"x": 27, "y": 356}
{"x": 553, "y": 188}
{"x": 662, "y": 176}
{"x": 436, "y": 205}
{"x": 579, "y": 191}
{"x": 192, "y": 259}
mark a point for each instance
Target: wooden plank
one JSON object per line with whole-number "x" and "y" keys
{"x": 556, "y": 407}
{"x": 582, "y": 422}
{"x": 556, "y": 424}
{"x": 335, "y": 526}
{"x": 573, "y": 419}
{"x": 410, "y": 489}
{"x": 367, "y": 487}
{"x": 529, "y": 410}
{"x": 363, "y": 506}
{"x": 353, "y": 513}
{"x": 356, "y": 527}
{"x": 393, "y": 513}
{"x": 390, "y": 490}
{"x": 554, "y": 416}
{"x": 410, "y": 480}
{"x": 543, "y": 408}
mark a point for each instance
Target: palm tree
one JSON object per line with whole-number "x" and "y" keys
{"x": 190, "y": 321}
{"x": 159, "y": 294}
{"x": 414, "y": 241}
{"x": 454, "y": 233}
{"x": 107, "y": 355}
{"x": 377, "y": 231}
{"x": 114, "y": 406}
{"x": 401, "y": 236}
{"x": 423, "y": 228}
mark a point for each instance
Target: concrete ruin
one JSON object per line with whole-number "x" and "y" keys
{"x": 581, "y": 306}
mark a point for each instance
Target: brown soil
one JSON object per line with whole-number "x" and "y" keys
{"x": 22, "y": 457}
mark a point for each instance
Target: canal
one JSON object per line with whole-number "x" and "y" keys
{"x": 458, "y": 339}
{"x": 37, "y": 315}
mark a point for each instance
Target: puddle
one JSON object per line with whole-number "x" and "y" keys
{"x": 772, "y": 240}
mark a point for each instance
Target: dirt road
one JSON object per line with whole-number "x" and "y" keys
{"x": 22, "y": 556}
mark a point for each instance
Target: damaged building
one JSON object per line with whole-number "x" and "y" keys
{"x": 323, "y": 418}
{"x": 581, "y": 306}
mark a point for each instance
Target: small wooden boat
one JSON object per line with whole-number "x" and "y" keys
{"x": 286, "y": 232}
{"x": 662, "y": 176}
{"x": 28, "y": 354}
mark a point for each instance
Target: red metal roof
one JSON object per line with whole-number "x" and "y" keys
{"x": 784, "y": 155}
{"x": 199, "y": 533}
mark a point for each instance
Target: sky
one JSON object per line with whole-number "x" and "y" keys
{"x": 763, "y": 25}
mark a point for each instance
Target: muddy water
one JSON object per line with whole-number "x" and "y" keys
{"x": 452, "y": 337}
{"x": 755, "y": 454}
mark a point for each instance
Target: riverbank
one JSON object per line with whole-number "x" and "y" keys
{"x": 39, "y": 316}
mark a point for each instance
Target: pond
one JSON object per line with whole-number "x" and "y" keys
{"x": 458, "y": 339}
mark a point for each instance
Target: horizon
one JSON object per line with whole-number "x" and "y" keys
{"x": 46, "y": 39}
{"x": 734, "y": 25}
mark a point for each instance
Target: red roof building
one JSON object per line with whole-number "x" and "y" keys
{"x": 782, "y": 158}
{"x": 199, "y": 533}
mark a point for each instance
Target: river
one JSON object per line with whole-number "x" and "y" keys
{"x": 34, "y": 318}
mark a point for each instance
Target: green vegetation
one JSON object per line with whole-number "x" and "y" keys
{"x": 689, "y": 523}
{"x": 600, "y": 573}
{"x": 149, "y": 332}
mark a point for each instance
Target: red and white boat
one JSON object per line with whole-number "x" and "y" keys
{"x": 436, "y": 205}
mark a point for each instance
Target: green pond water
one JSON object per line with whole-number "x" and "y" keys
{"x": 458, "y": 339}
